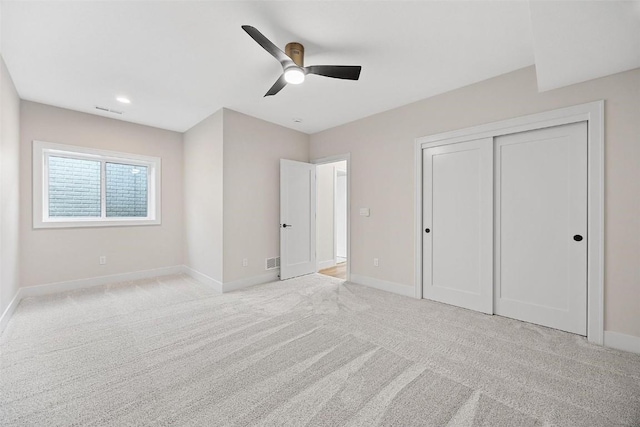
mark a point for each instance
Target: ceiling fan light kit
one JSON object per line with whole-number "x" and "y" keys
{"x": 294, "y": 75}
{"x": 292, "y": 61}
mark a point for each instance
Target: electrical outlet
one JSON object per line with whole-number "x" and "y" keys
{"x": 375, "y": 262}
{"x": 245, "y": 262}
{"x": 103, "y": 260}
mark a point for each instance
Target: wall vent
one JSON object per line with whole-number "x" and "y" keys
{"x": 272, "y": 263}
{"x": 108, "y": 110}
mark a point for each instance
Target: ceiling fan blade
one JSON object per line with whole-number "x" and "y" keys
{"x": 268, "y": 46}
{"x": 277, "y": 86}
{"x": 347, "y": 72}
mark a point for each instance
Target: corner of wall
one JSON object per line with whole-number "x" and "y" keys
{"x": 9, "y": 189}
{"x": 251, "y": 186}
{"x": 202, "y": 197}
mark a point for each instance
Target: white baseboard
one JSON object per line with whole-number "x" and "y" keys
{"x": 326, "y": 264}
{"x": 383, "y": 285}
{"x": 8, "y": 312}
{"x": 234, "y": 285}
{"x": 251, "y": 281}
{"x": 611, "y": 339}
{"x": 622, "y": 341}
{"x": 71, "y": 285}
{"x": 203, "y": 278}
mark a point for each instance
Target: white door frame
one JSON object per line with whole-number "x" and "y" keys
{"x": 593, "y": 114}
{"x": 332, "y": 159}
{"x": 336, "y": 173}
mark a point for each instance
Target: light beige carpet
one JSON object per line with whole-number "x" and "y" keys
{"x": 307, "y": 351}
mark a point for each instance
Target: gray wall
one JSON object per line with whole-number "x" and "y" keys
{"x": 57, "y": 255}
{"x": 383, "y": 168}
{"x": 231, "y": 193}
{"x": 9, "y": 190}
{"x": 252, "y": 152}
{"x": 203, "y": 197}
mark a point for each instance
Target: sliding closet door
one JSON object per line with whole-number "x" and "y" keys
{"x": 541, "y": 224}
{"x": 458, "y": 224}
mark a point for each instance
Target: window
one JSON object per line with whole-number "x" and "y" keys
{"x": 83, "y": 187}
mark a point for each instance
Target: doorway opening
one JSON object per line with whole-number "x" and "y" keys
{"x": 332, "y": 217}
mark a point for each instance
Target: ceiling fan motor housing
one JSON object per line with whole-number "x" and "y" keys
{"x": 295, "y": 51}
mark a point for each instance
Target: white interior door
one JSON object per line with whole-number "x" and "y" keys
{"x": 541, "y": 223}
{"x": 297, "y": 219}
{"x": 458, "y": 224}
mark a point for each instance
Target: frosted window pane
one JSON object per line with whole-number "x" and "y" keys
{"x": 126, "y": 190}
{"x": 74, "y": 187}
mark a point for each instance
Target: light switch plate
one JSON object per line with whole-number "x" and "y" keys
{"x": 365, "y": 212}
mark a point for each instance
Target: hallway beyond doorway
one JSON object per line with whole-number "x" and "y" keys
{"x": 339, "y": 271}
{"x": 332, "y": 219}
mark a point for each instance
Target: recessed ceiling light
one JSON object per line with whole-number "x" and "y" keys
{"x": 123, "y": 99}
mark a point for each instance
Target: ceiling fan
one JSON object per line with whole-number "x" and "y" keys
{"x": 292, "y": 61}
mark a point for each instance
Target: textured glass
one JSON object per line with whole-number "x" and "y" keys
{"x": 126, "y": 190}
{"x": 74, "y": 187}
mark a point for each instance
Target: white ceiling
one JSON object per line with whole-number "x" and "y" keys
{"x": 579, "y": 41}
{"x": 180, "y": 61}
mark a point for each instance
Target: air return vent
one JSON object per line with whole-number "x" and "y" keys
{"x": 272, "y": 263}
{"x": 108, "y": 110}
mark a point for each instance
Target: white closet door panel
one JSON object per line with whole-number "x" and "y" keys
{"x": 541, "y": 203}
{"x": 458, "y": 204}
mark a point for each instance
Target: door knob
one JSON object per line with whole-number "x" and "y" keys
{"x": 427, "y": 230}
{"x": 577, "y": 237}
{"x": 286, "y": 225}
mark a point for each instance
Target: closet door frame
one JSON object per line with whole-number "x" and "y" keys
{"x": 593, "y": 114}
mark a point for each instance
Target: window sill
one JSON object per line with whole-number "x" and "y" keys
{"x": 124, "y": 222}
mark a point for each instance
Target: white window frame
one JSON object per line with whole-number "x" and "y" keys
{"x": 41, "y": 153}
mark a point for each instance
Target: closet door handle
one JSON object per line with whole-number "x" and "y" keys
{"x": 427, "y": 230}
{"x": 577, "y": 237}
